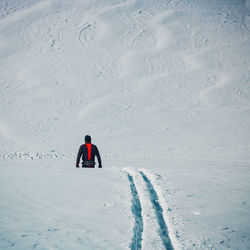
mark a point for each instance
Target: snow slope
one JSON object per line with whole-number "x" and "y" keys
{"x": 164, "y": 89}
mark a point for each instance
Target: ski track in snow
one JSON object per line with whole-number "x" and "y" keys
{"x": 136, "y": 209}
{"x": 158, "y": 211}
{"x": 142, "y": 212}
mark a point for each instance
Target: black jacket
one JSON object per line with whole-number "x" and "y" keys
{"x": 83, "y": 151}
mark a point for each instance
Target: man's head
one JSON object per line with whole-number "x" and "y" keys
{"x": 88, "y": 139}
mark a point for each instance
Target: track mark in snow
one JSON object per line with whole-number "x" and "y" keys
{"x": 136, "y": 210}
{"x": 35, "y": 245}
{"x": 85, "y": 33}
{"x": 159, "y": 213}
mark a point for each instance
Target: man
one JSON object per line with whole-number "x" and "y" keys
{"x": 88, "y": 152}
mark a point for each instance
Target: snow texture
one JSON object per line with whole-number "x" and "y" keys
{"x": 163, "y": 88}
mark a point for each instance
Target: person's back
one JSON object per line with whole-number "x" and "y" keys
{"x": 88, "y": 151}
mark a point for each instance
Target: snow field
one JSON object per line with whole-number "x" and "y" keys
{"x": 162, "y": 87}
{"x": 51, "y": 206}
{"x": 119, "y": 69}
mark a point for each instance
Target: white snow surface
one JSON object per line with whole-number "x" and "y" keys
{"x": 163, "y": 88}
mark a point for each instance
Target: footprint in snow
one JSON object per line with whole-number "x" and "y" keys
{"x": 52, "y": 229}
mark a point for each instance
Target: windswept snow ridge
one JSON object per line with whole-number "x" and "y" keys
{"x": 33, "y": 155}
{"x": 136, "y": 209}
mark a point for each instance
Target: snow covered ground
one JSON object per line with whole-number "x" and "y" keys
{"x": 162, "y": 86}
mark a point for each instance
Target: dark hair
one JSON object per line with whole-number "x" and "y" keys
{"x": 88, "y": 139}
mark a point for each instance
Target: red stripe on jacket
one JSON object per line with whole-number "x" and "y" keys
{"x": 89, "y": 150}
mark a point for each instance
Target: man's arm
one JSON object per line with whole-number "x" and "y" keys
{"x": 78, "y": 156}
{"x": 98, "y": 158}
